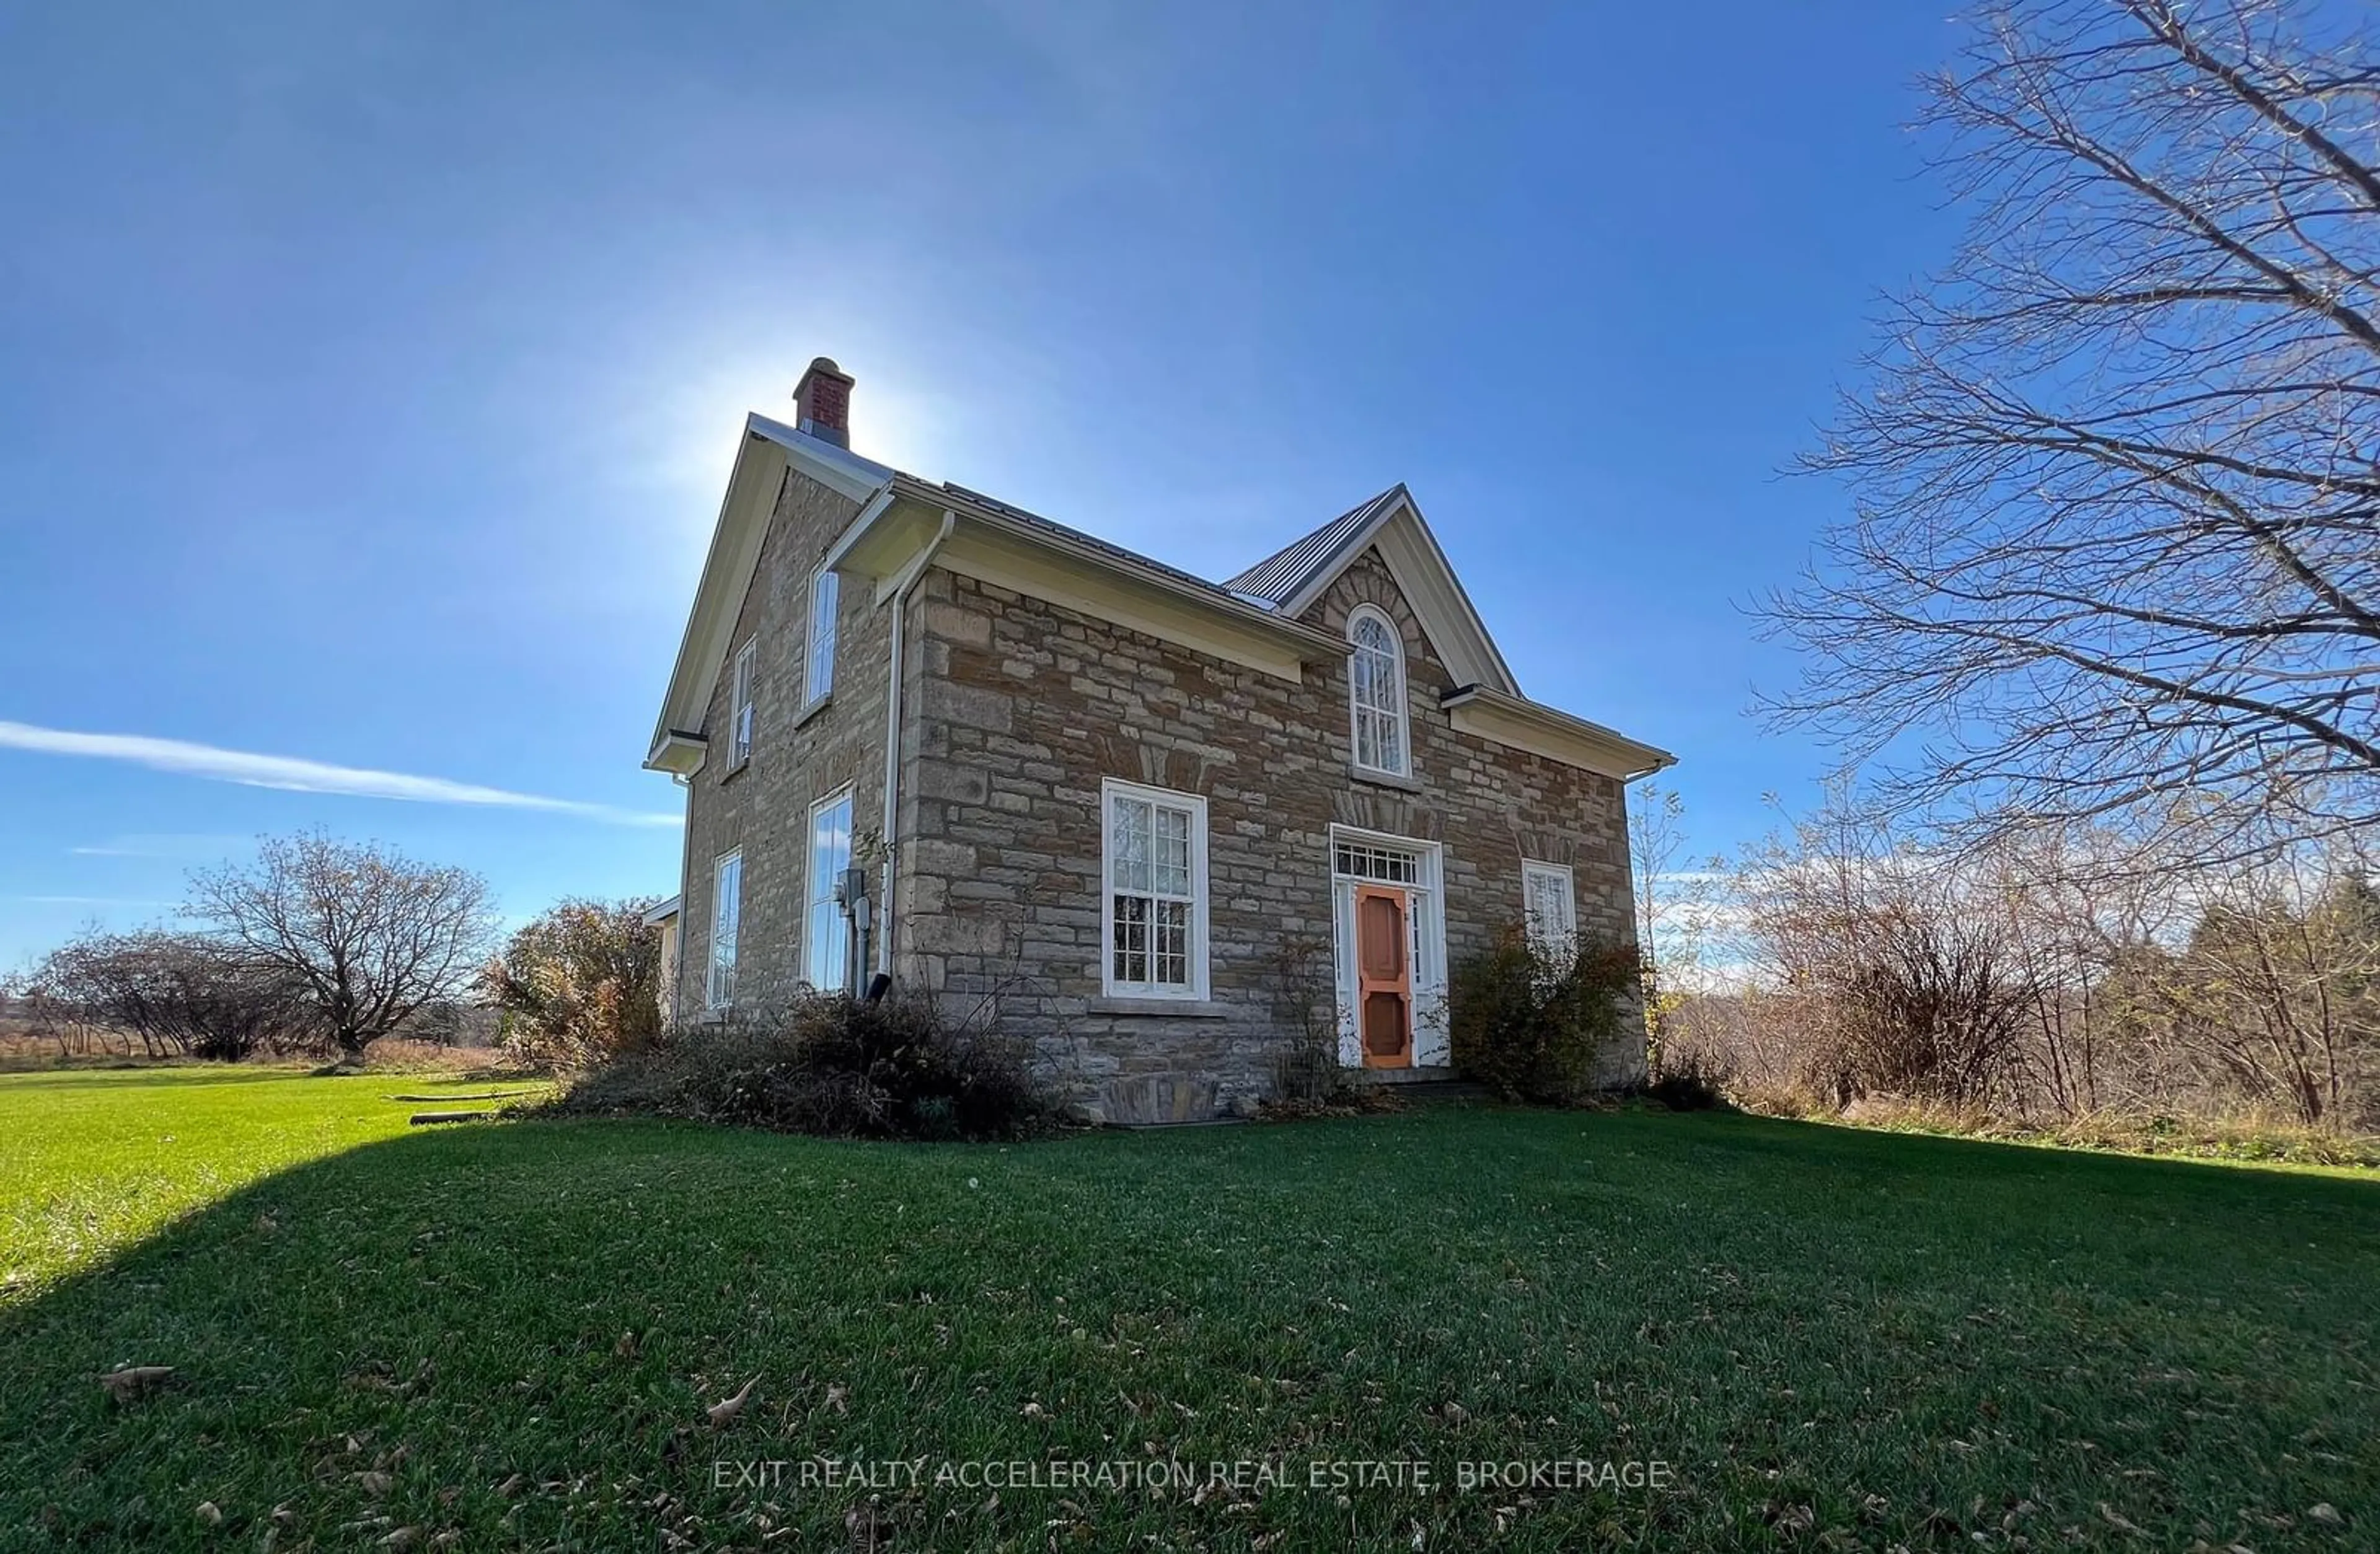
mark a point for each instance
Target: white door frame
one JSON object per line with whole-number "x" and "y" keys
{"x": 1424, "y": 914}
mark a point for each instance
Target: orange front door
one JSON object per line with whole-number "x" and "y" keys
{"x": 1383, "y": 978}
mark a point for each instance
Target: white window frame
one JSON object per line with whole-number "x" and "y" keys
{"x": 1401, "y": 709}
{"x": 818, "y": 665}
{"x": 1557, "y": 939}
{"x": 726, "y": 927}
{"x": 741, "y": 699}
{"x": 1195, "y": 991}
{"x": 1425, "y": 924}
{"x": 817, "y": 889}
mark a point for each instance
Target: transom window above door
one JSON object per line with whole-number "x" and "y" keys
{"x": 1365, "y": 860}
{"x": 1154, "y": 864}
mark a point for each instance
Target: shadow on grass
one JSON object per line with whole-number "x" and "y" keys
{"x": 512, "y": 1333}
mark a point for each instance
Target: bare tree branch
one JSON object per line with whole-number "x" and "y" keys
{"x": 2115, "y": 537}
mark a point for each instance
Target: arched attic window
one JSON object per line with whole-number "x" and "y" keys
{"x": 1376, "y": 683}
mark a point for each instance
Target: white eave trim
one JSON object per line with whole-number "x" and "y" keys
{"x": 663, "y": 911}
{"x": 679, "y": 754}
{"x": 836, "y": 469}
{"x": 1487, "y": 713}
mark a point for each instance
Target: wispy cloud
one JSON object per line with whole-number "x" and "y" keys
{"x": 298, "y": 775}
{"x": 187, "y": 846}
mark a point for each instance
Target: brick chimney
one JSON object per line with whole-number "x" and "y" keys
{"x": 822, "y": 402}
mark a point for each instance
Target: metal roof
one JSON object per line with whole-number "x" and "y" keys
{"x": 1106, "y": 547}
{"x": 1278, "y": 578}
{"x": 1265, "y": 586}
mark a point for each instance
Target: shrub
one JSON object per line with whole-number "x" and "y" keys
{"x": 829, "y": 1065}
{"x": 1530, "y": 1022}
{"x": 1690, "y": 1081}
{"x": 581, "y": 983}
{"x": 183, "y": 995}
{"x": 1307, "y": 1077}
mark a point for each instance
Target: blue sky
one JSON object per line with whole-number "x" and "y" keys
{"x": 369, "y": 377}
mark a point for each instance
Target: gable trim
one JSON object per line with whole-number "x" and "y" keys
{"x": 1428, "y": 582}
{"x": 767, "y": 451}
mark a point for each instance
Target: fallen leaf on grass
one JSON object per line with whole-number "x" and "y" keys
{"x": 132, "y": 1381}
{"x": 2327, "y": 1514}
{"x": 838, "y": 1397}
{"x": 209, "y": 1514}
{"x": 512, "y": 1486}
{"x": 404, "y": 1537}
{"x": 627, "y": 1348}
{"x": 724, "y": 1411}
{"x": 2116, "y": 1518}
{"x": 376, "y": 1483}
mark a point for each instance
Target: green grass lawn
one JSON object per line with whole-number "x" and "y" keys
{"x": 509, "y": 1333}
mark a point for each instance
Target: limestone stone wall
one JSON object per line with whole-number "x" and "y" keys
{"x": 1018, "y": 709}
{"x": 763, "y": 807}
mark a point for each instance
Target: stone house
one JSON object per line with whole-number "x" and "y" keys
{"x": 1181, "y": 834}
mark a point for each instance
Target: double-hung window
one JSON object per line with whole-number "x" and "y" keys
{"x": 726, "y": 917}
{"x": 739, "y": 714}
{"x": 1155, "y": 867}
{"x": 1550, "y": 905}
{"x": 820, "y": 671}
{"x": 1376, "y": 681}
{"x": 826, "y": 937}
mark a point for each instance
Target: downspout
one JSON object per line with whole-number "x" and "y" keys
{"x": 685, "y": 893}
{"x": 902, "y": 586}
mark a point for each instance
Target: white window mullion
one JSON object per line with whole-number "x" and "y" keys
{"x": 820, "y": 670}
{"x": 1153, "y": 884}
{"x": 1550, "y": 906}
{"x": 740, "y": 710}
{"x": 726, "y": 920}
{"x": 1375, "y": 692}
{"x": 826, "y": 932}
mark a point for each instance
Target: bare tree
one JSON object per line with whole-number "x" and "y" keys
{"x": 2115, "y": 546}
{"x": 371, "y": 935}
{"x": 2276, "y": 994}
{"x": 2083, "y": 922}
